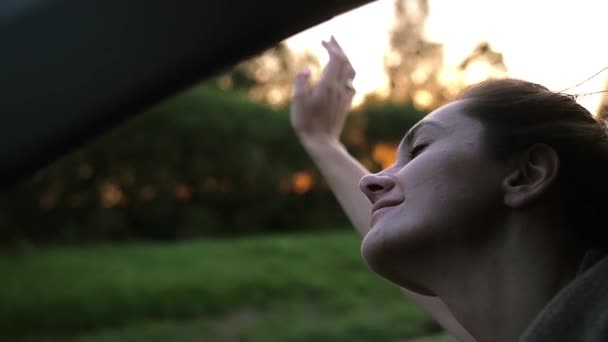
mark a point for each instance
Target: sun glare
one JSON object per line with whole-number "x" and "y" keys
{"x": 554, "y": 43}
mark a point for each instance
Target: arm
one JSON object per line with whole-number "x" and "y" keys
{"x": 342, "y": 173}
{"x": 318, "y": 116}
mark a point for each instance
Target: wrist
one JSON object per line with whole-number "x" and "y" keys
{"x": 310, "y": 141}
{"x": 318, "y": 145}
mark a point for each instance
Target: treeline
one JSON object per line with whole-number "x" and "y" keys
{"x": 207, "y": 162}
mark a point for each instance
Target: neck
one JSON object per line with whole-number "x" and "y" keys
{"x": 510, "y": 280}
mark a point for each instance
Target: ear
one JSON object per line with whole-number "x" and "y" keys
{"x": 533, "y": 174}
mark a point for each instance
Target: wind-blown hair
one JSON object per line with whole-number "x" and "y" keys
{"x": 517, "y": 114}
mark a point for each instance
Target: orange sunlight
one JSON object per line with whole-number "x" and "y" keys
{"x": 385, "y": 154}
{"x": 302, "y": 182}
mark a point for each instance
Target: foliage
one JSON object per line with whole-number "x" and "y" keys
{"x": 415, "y": 65}
{"x": 314, "y": 287}
{"x": 268, "y": 77}
{"x": 205, "y": 162}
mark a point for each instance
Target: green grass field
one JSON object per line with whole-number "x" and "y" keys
{"x": 276, "y": 288}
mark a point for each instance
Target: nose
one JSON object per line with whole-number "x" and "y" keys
{"x": 375, "y": 185}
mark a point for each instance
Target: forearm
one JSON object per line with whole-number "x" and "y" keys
{"x": 342, "y": 173}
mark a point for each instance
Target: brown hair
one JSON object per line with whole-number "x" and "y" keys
{"x": 517, "y": 114}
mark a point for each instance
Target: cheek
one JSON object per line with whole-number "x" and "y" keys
{"x": 447, "y": 202}
{"x": 446, "y": 194}
{"x": 446, "y": 179}
{"x": 428, "y": 181}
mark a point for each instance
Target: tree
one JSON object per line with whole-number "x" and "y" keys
{"x": 482, "y": 63}
{"x": 268, "y": 76}
{"x": 412, "y": 63}
{"x": 415, "y": 67}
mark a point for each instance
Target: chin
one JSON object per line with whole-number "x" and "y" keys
{"x": 394, "y": 259}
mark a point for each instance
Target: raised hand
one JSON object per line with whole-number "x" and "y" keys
{"x": 318, "y": 112}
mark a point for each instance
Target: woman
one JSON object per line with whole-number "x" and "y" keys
{"x": 490, "y": 219}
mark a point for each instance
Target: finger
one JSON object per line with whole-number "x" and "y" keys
{"x": 338, "y": 49}
{"x": 339, "y": 70}
{"x": 346, "y": 70}
{"x": 349, "y": 90}
{"x": 335, "y": 43}
{"x": 301, "y": 83}
{"x": 350, "y": 72}
{"x": 332, "y": 69}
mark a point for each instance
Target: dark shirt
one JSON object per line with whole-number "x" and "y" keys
{"x": 579, "y": 311}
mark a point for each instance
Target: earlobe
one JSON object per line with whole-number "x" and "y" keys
{"x": 532, "y": 175}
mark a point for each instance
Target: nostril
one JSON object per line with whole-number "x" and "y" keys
{"x": 374, "y": 187}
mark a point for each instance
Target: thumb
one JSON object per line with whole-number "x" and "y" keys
{"x": 301, "y": 85}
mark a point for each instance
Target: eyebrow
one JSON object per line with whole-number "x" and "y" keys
{"x": 409, "y": 136}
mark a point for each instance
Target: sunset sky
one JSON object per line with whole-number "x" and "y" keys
{"x": 555, "y": 43}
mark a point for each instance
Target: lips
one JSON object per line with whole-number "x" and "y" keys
{"x": 384, "y": 204}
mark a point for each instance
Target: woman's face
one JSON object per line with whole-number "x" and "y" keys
{"x": 436, "y": 201}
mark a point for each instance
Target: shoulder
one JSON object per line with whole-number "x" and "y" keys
{"x": 579, "y": 312}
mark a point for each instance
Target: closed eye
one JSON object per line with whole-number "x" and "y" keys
{"x": 417, "y": 149}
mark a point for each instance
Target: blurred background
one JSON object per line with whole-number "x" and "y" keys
{"x": 203, "y": 219}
